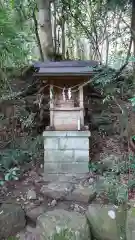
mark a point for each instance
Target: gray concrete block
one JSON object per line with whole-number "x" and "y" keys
{"x": 66, "y": 152}
{"x": 66, "y": 134}
{"x": 74, "y": 143}
{"x": 81, "y": 155}
{"x": 51, "y": 143}
{"x": 65, "y": 168}
{"x": 54, "y": 156}
{"x": 49, "y": 177}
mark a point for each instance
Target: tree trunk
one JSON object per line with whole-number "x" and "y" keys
{"x": 133, "y": 30}
{"x": 107, "y": 49}
{"x": 55, "y": 26}
{"x": 63, "y": 34}
{"x": 37, "y": 36}
{"x": 45, "y": 28}
{"x": 58, "y": 49}
{"x": 78, "y": 48}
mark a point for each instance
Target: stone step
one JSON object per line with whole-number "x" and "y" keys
{"x": 65, "y": 168}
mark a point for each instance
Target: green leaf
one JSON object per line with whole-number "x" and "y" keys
{"x": 133, "y": 137}
{"x": 7, "y": 177}
{"x": 1, "y": 182}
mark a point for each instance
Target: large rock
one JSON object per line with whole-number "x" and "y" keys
{"x": 130, "y": 226}
{"x": 99, "y": 119}
{"x": 57, "y": 190}
{"x": 82, "y": 194}
{"x": 106, "y": 222}
{"x": 12, "y": 220}
{"x": 34, "y": 213}
{"x": 64, "y": 225}
{"x": 29, "y": 233}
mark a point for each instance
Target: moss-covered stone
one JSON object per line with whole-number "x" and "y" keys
{"x": 106, "y": 222}
{"x": 130, "y": 225}
{"x": 12, "y": 220}
{"x": 63, "y": 225}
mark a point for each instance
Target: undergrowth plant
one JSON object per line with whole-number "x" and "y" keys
{"x": 21, "y": 153}
{"x": 112, "y": 187}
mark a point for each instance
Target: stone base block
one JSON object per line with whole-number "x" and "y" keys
{"x": 65, "y": 168}
{"x": 66, "y": 152}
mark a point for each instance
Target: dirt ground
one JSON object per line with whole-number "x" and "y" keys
{"x": 16, "y": 191}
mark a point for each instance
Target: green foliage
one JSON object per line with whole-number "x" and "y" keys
{"x": 13, "y": 238}
{"x": 12, "y": 174}
{"x": 65, "y": 234}
{"x": 117, "y": 193}
{"x": 132, "y": 100}
{"x": 20, "y": 153}
{"x": 12, "y": 40}
{"x": 17, "y": 39}
{"x": 92, "y": 167}
{"x": 111, "y": 187}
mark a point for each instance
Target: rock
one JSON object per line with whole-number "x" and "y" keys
{"x": 53, "y": 203}
{"x": 108, "y": 162}
{"x": 106, "y": 221}
{"x": 91, "y": 180}
{"x": 34, "y": 213}
{"x": 57, "y": 190}
{"x": 132, "y": 203}
{"x": 98, "y": 119}
{"x": 78, "y": 208}
{"x": 130, "y": 226}
{"x": 61, "y": 224}
{"x": 12, "y": 220}
{"x": 28, "y": 235}
{"x": 31, "y": 195}
{"x": 67, "y": 178}
{"x": 31, "y": 229}
{"x": 82, "y": 194}
{"x": 109, "y": 129}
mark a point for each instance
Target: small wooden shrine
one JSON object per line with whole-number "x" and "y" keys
{"x": 64, "y": 82}
{"x": 66, "y": 108}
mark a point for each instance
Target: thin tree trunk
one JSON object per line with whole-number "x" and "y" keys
{"x": 95, "y": 34}
{"x": 90, "y": 52}
{"x": 45, "y": 28}
{"x": 82, "y": 52}
{"x": 63, "y": 33}
{"x": 133, "y": 29}
{"x": 37, "y": 36}
{"x": 55, "y": 26}
{"x": 58, "y": 50}
{"x": 78, "y": 49}
{"x": 107, "y": 49}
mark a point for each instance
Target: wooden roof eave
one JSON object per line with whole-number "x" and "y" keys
{"x": 89, "y": 74}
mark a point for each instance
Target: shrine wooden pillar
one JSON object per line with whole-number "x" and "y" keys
{"x": 51, "y": 105}
{"x": 81, "y": 106}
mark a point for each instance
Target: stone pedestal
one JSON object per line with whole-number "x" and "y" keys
{"x": 65, "y": 152}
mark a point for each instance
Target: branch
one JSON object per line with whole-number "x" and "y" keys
{"x": 126, "y": 62}
{"x": 132, "y": 31}
{"x": 88, "y": 33}
{"x": 118, "y": 72}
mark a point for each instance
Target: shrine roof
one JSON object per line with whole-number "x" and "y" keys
{"x": 62, "y": 68}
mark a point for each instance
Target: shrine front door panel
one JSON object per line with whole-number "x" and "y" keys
{"x": 66, "y": 120}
